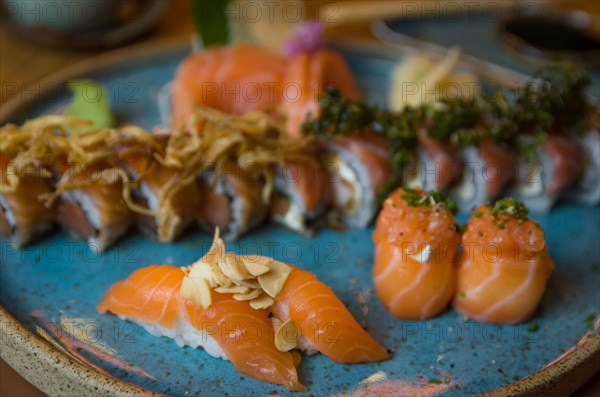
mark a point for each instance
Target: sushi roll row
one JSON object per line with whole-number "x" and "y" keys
{"x": 554, "y": 167}
{"x": 225, "y": 171}
{"x": 541, "y": 149}
{"x": 495, "y": 271}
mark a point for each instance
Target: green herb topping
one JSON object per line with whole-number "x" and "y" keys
{"x": 555, "y": 102}
{"x": 505, "y": 209}
{"x": 531, "y": 328}
{"x": 435, "y": 381}
{"x": 433, "y": 198}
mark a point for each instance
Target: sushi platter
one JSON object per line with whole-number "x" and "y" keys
{"x": 174, "y": 277}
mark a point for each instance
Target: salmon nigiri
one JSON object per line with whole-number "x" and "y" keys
{"x": 416, "y": 241}
{"x": 151, "y": 297}
{"x": 324, "y": 323}
{"x": 504, "y": 266}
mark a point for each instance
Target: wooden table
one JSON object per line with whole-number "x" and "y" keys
{"x": 22, "y": 64}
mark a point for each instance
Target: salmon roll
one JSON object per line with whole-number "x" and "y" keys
{"x": 546, "y": 171}
{"x": 359, "y": 168}
{"x": 587, "y": 187}
{"x": 307, "y": 75}
{"x": 488, "y": 170}
{"x": 166, "y": 203}
{"x": 504, "y": 265}
{"x": 91, "y": 205}
{"x": 300, "y": 193}
{"x": 437, "y": 164}
{"x": 232, "y": 200}
{"x": 416, "y": 242}
{"x": 23, "y": 213}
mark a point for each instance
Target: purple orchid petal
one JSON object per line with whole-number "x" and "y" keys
{"x": 310, "y": 36}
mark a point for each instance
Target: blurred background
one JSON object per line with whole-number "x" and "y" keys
{"x": 41, "y": 37}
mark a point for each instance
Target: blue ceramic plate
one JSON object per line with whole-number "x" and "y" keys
{"x": 52, "y": 288}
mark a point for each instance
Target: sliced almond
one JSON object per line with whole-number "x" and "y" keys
{"x": 219, "y": 277}
{"x": 297, "y": 357}
{"x": 254, "y": 267}
{"x": 286, "y": 337}
{"x": 262, "y": 302}
{"x": 249, "y": 283}
{"x": 196, "y": 290}
{"x": 273, "y": 281}
{"x": 233, "y": 268}
{"x": 216, "y": 250}
{"x": 203, "y": 270}
{"x": 236, "y": 289}
{"x": 248, "y": 295}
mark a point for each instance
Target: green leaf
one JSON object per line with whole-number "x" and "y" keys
{"x": 89, "y": 102}
{"x": 211, "y": 21}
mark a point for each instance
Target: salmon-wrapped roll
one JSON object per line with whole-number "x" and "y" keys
{"x": 232, "y": 200}
{"x": 437, "y": 165}
{"x": 23, "y": 213}
{"x": 416, "y": 242}
{"x": 166, "y": 202}
{"x": 488, "y": 169}
{"x": 359, "y": 167}
{"x": 306, "y": 76}
{"x": 547, "y": 171}
{"x": 587, "y": 187}
{"x": 300, "y": 193}
{"x": 504, "y": 266}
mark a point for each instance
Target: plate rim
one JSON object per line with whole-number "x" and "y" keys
{"x": 33, "y": 358}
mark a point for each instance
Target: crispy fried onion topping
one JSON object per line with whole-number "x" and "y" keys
{"x": 255, "y": 141}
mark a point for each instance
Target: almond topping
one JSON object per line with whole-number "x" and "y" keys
{"x": 219, "y": 277}
{"x": 248, "y": 295}
{"x": 197, "y": 290}
{"x": 254, "y": 278}
{"x": 236, "y": 289}
{"x": 202, "y": 270}
{"x": 262, "y": 302}
{"x": 233, "y": 268}
{"x": 272, "y": 282}
{"x": 286, "y": 336}
{"x": 254, "y": 267}
{"x": 249, "y": 283}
